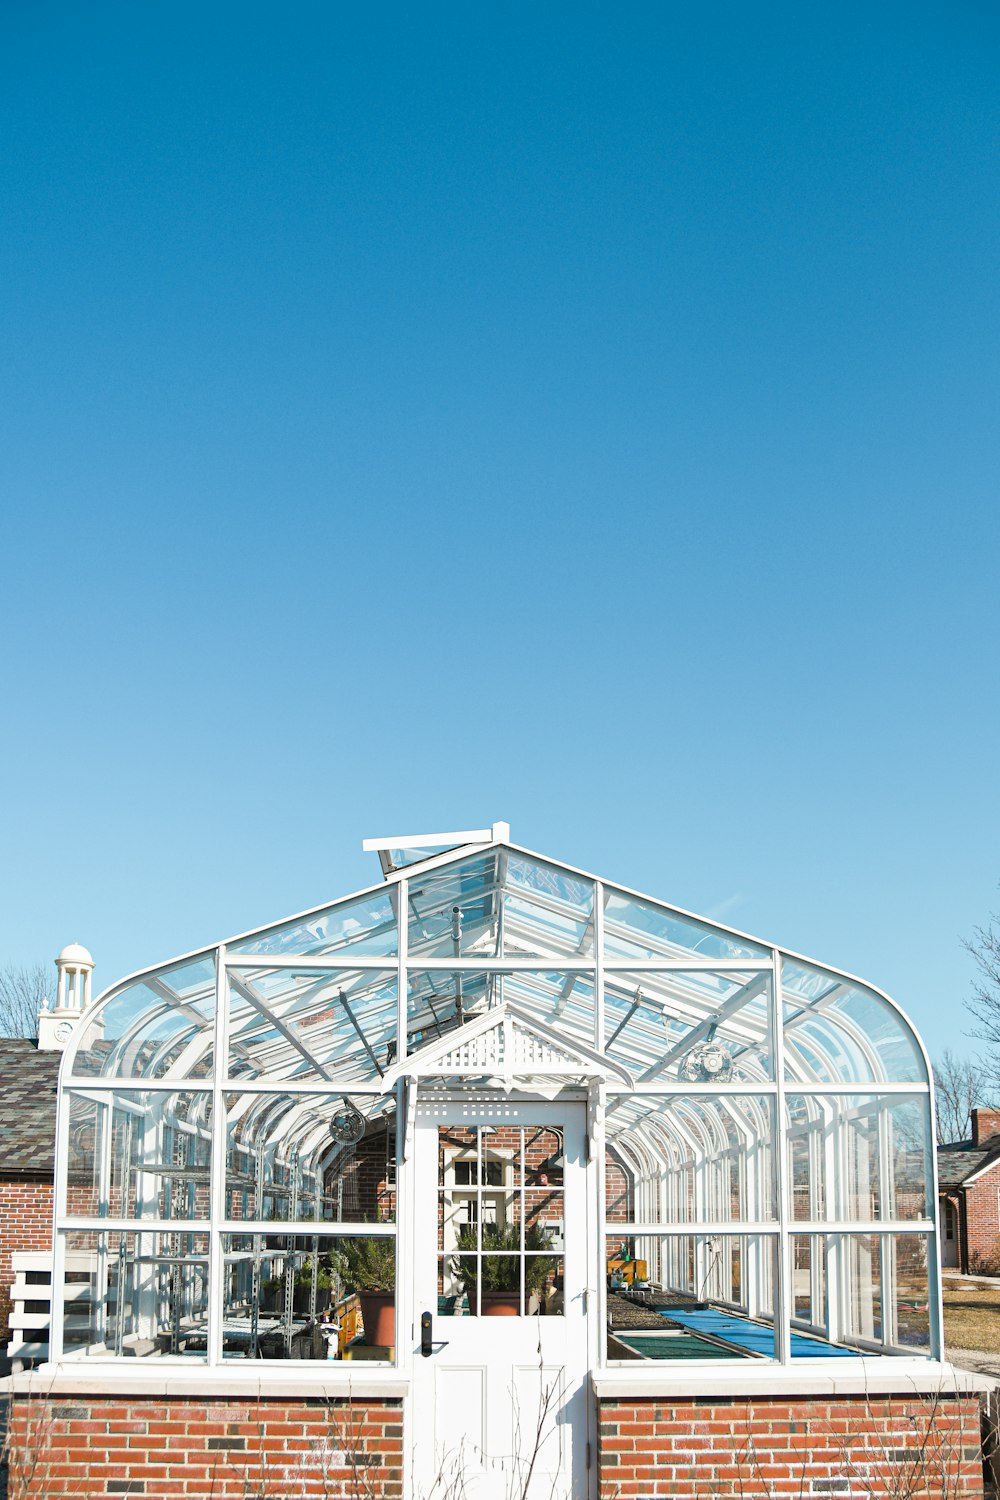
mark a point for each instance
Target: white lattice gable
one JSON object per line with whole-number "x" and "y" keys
{"x": 507, "y": 1045}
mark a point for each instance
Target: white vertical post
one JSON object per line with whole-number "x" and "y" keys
{"x": 598, "y": 966}
{"x": 402, "y": 952}
{"x": 783, "y": 1288}
{"x": 219, "y": 1206}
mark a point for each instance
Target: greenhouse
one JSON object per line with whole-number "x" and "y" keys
{"x": 493, "y": 1087}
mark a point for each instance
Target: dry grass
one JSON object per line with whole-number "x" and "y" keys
{"x": 971, "y": 1316}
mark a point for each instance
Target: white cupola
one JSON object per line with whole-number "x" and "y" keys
{"x": 55, "y": 1027}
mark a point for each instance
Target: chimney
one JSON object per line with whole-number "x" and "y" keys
{"x": 55, "y": 1027}
{"x": 985, "y": 1126}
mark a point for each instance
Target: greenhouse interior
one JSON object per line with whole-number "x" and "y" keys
{"x": 240, "y": 1172}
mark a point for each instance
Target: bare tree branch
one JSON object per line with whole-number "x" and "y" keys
{"x": 21, "y": 993}
{"x": 960, "y": 1084}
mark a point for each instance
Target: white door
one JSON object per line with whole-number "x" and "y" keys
{"x": 501, "y": 1402}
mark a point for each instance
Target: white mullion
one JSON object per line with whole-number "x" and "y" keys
{"x": 599, "y": 967}
{"x": 783, "y": 1289}
{"x": 57, "y": 1302}
{"x": 218, "y": 1205}
{"x": 402, "y": 982}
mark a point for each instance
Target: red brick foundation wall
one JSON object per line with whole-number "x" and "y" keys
{"x": 860, "y": 1446}
{"x": 25, "y": 1224}
{"x": 233, "y": 1449}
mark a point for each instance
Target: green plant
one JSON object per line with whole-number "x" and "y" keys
{"x": 499, "y": 1266}
{"x": 368, "y": 1265}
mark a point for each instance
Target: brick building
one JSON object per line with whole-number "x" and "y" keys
{"x": 495, "y": 1177}
{"x": 969, "y": 1197}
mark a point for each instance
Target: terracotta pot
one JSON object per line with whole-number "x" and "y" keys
{"x": 378, "y": 1313}
{"x": 501, "y": 1304}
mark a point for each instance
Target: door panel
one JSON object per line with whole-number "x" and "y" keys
{"x": 500, "y": 1406}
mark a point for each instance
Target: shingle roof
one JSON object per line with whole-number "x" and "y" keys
{"x": 959, "y": 1161}
{"x": 28, "y": 1081}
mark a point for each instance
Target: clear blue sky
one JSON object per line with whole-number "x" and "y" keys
{"x": 418, "y": 415}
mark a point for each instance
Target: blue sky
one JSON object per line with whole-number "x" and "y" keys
{"x": 583, "y": 416}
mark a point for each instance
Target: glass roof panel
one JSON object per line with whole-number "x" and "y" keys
{"x": 693, "y": 1027}
{"x": 365, "y": 924}
{"x": 439, "y": 1002}
{"x": 453, "y": 911}
{"x": 398, "y": 859}
{"x": 634, "y": 928}
{"x": 160, "y": 1026}
{"x": 338, "y": 1025}
{"x": 837, "y": 1031}
{"x": 547, "y": 912}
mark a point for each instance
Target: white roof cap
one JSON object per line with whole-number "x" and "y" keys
{"x": 75, "y": 953}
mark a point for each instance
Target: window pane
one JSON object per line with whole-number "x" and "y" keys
{"x": 312, "y": 1025}
{"x": 144, "y": 1295}
{"x": 500, "y": 1217}
{"x": 291, "y": 1157}
{"x": 697, "y": 1027}
{"x": 682, "y": 1297}
{"x": 135, "y": 1155}
{"x": 859, "y": 1157}
{"x": 837, "y": 1031}
{"x": 161, "y": 1026}
{"x": 366, "y": 924}
{"x": 643, "y": 929}
{"x": 309, "y": 1296}
{"x": 547, "y": 912}
{"x": 685, "y": 1159}
{"x": 439, "y": 1002}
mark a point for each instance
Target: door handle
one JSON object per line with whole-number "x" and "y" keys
{"x": 426, "y": 1334}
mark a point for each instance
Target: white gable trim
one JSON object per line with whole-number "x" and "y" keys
{"x": 506, "y": 1043}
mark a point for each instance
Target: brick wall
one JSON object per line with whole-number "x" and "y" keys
{"x": 861, "y": 1446}
{"x": 982, "y": 1219}
{"x": 100, "y": 1446}
{"x": 25, "y": 1224}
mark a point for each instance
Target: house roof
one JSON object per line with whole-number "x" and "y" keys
{"x": 28, "y": 1082}
{"x": 959, "y": 1162}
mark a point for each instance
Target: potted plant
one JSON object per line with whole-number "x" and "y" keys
{"x": 497, "y": 1271}
{"x": 368, "y": 1267}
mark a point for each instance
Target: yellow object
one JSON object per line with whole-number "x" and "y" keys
{"x": 628, "y": 1270}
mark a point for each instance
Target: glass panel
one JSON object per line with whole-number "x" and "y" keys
{"x": 808, "y": 1255}
{"x": 691, "y": 1296}
{"x": 366, "y": 924}
{"x": 139, "y": 1155}
{"x": 159, "y": 1027}
{"x": 144, "y": 1295}
{"x": 500, "y": 1218}
{"x": 909, "y": 1253}
{"x": 685, "y": 1159}
{"x": 438, "y": 1003}
{"x": 292, "y": 1157}
{"x": 864, "y": 1281}
{"x": 312, "y": 1025}
{"x": 697, "y": 1027}
{"x": 859, "y": 1157}
{"x": 309, "y": 1296}
{"x": 888, "y": 1287}
{"x": 454, "y": 911}
{"x": 837, "y": 1031}
{"x": 638, "y": 929}
{"x": 547, "y": 912}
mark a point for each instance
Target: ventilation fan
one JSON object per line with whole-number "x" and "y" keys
{"x": 707, "y": 1062}
{"x": 347, "y": 1125}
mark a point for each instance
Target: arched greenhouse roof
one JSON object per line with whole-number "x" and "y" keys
{"x": 665, "y": 995}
